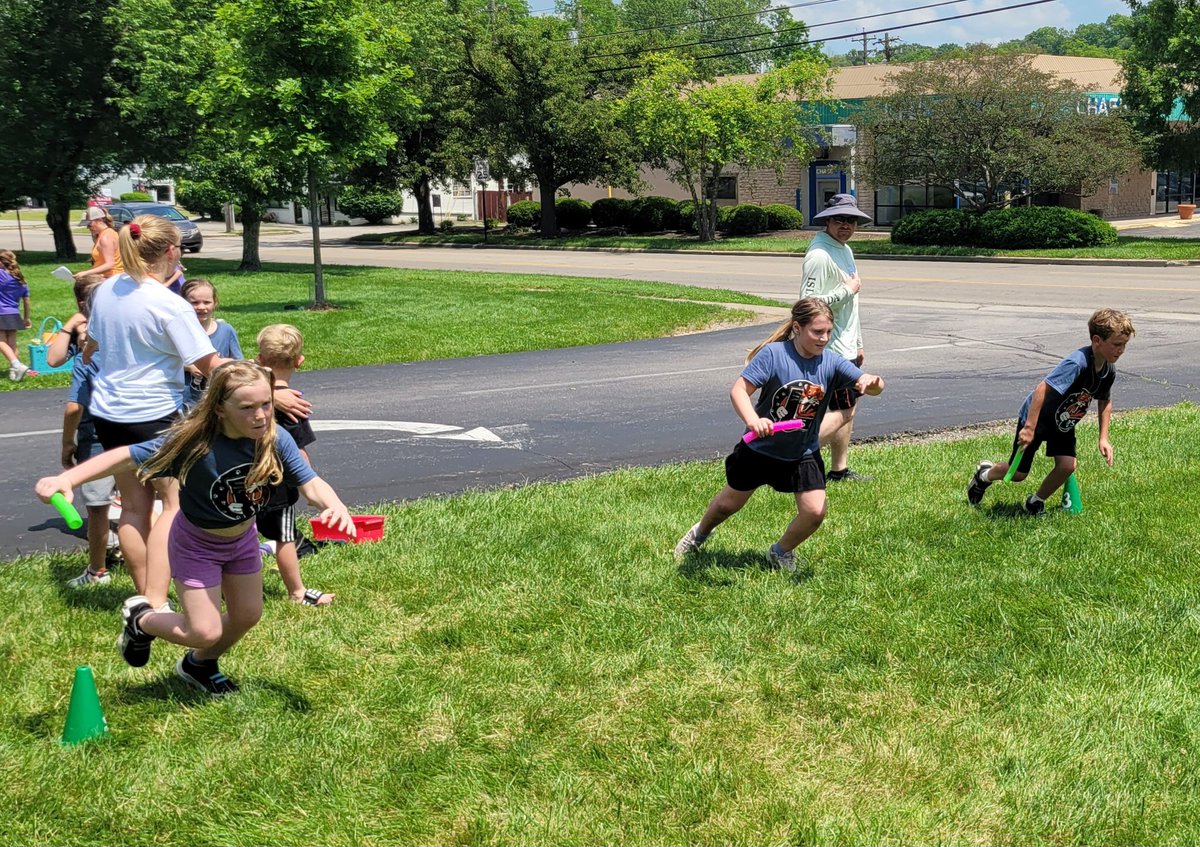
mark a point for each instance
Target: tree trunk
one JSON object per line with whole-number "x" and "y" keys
{"x": 546, "y": 189}
{"x": 314, "y": 214}
{"x": 58, "y": 218}
{"x": 422, "y": 192}
{"x": 251, "y": 227}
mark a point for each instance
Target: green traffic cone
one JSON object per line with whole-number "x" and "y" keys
{"x": 85, "y": 718}
{"x": 1071, "y": 500}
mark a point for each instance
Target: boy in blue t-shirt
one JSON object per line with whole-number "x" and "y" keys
{"x": 1052, "y": 410}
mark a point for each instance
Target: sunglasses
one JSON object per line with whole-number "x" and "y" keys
{"x": 844, "y": 219}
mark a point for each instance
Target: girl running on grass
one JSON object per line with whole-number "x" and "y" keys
{"x": 795, "y": 377}
{"x": 227, "y": 454}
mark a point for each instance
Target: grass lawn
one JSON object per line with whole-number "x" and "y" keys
{"x": 531, "y": 666}
{"x": 397, "y": 315}
{"x": 1128, "y": 247}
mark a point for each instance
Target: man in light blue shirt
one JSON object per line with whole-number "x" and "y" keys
{"x": 830, "y": 274}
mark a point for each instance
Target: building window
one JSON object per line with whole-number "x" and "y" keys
{"x": 727, "y": 188}
{"x": 892, "y": 202}
{"x": 460, "y": 189}
{"x": 1173, "y": 188}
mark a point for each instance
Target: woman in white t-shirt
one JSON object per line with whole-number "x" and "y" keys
{"x": 141, "y": 336}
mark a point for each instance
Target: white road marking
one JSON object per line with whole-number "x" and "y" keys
{"x": 417, "y": 428}
{"x": 35, "y": 432}
{"x": 577, "y": 383}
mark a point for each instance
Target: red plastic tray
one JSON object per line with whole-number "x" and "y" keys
{"x": 368, "y": 527}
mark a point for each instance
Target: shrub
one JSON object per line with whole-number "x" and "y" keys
{"x": 686, "y": 210}
{"x": 1043, "y": 227}
{"x": 494, "y": 223}
{"x": 525, "y": 214}
{"x": 136, "y": 197}
{"x": 747, "y": 219}
{"x": 612, "y": 211}
{"x": 446, "y": 225}
{"x": 370, "y": 203}
{"x": 947, "y": 227}
{"x": 572, "y": 212}
{"x": 654, "y": 214}
{"x": 724, "y": 216}
{"x": 780, "y": 216}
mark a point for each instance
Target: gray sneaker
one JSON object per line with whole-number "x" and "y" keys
{"x": 781, "y": 560}
{"x": 689, "y": 543}
{"x": 88, "y": 578}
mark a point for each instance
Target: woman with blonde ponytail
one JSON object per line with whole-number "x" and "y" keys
{"x": 227, "y": 455}
{"x": 141, "y": 336}
{"x": 795, "y": 376}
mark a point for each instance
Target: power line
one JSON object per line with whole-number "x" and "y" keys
{"x": 800, "y": 26}
{"x": 859, "y": 34}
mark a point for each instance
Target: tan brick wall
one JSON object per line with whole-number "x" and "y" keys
{"x": 1134, "y": 197}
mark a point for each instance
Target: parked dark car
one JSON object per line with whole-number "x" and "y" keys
{"x": 123, "y": 213}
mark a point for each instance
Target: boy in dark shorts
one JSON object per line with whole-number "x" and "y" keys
{"x": 1056, "y": 405}
{"x": 280, "y": 348}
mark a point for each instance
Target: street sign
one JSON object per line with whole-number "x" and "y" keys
{"x": 482, "y": 173}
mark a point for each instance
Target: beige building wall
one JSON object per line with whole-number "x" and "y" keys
{"x": 1129, "y": 195}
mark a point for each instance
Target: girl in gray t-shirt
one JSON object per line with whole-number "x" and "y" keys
{"x": 795, "y": 376}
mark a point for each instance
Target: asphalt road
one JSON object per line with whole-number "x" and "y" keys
{"x": 959, "y": 344}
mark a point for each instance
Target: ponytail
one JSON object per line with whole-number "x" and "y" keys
{"x": 143, "y": 243}
{"x": 804, "y": 312}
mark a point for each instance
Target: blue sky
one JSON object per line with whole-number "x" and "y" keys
{"x": 1000, "y": 26}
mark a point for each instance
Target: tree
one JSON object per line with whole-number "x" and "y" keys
{"x": 696, "y": 130}
{"x": 541, "y": 112}
{"x": 1162, "y": 81}
{"x": 991, "y": 129}
{"x": 166, "y": 82}
{"x": 60, "y": 136}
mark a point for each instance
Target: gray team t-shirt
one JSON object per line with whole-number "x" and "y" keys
{"x": 792, "y": 387}
{"x": 214, "y": 495}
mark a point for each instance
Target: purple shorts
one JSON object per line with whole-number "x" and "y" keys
{"x": 199, "y": 559}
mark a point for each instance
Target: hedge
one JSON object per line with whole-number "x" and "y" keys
{"x": 525, "y": 213}
{"x": 136, "y": 197}
{"x": 372, "y": 204}
{"x": 947, "y": 227}
{"x": 612, "y": 211}
{"x": 572, "y": 213}
{"x": 1043, "y": 227}
{"x": 747, "y": 219}
{"x": 781, "y": 216}
{"x": 654, "y": 214}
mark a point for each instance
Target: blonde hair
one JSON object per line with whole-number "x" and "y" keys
{"x": 191, "y": 437}
{"x": 1109, "y": 322}
{"x": 804, "y": 312}
{"x": 279, "y": 345}
{"x": 143, "y": 243}
{"x": 8, "y": 260}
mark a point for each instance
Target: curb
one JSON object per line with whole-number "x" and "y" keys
{"x": 995, "y": 260}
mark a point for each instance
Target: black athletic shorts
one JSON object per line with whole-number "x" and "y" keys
{"x": 1057, "y": 444}
{"x": 112, "y": 434}
{"x": 747, "y": 469}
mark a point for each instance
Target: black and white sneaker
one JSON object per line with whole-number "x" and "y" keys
{"x": 205, "y": 676}
{"x": 1034, "y": 506}
{"x": 133, "y": 643}
{"x": 979, "y": 483}
{"x": 847, "y": 475}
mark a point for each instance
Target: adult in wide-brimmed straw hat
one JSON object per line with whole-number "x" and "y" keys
{"x": 106, "y": 257}
{"x": 830, "y": 274}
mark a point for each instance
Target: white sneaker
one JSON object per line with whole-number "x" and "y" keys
{"x": 784, "y": 560}
{"x": 17, "y": 371}
{"x": 87, "y": 579}
{"x": 688, "y": 544}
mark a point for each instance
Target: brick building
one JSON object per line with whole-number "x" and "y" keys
{"x": 1136, "y": 192}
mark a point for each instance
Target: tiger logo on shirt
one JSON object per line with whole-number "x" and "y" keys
{"x": 797, "y": 400}
{"x": 229, "y": 495}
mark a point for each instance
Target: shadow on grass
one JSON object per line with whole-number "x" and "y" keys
{"x": 716, "y": 567}
{"x": 97, "y": 598}
{"x": 1008, "y": 511}
{"x": 168, "y": 687}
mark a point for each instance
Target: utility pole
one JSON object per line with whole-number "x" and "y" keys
{"x": 864, "y": 40}
{"x": 888, "y": 43}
